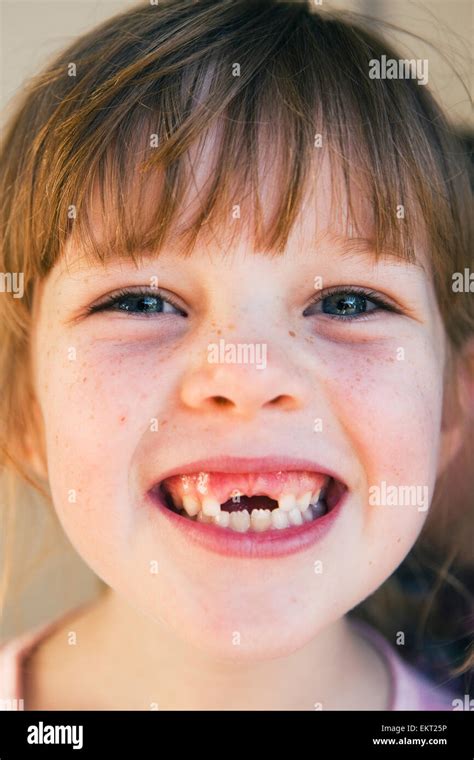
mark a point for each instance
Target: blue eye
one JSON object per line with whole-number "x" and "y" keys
{"x": 346, "y": 304}
{"x": 139, "y": 302}
{"x": 351, "y": 303}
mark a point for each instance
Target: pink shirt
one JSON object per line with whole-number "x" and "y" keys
{"x": 409, "y": 689}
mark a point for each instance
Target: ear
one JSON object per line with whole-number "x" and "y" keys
{"x": 458, "y": 403}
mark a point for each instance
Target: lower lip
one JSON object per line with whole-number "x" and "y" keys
{"x": 270, "y": 543}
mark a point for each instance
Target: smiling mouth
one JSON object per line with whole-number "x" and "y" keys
{"x": 251, "y": 502}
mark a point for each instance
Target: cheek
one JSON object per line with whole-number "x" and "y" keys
{"x": 389, "y": 404}
{"x": 97, "y": 402}
{"x": 388, "y": 399}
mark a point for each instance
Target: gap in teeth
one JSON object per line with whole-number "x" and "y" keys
{"x": 210, "y": 507}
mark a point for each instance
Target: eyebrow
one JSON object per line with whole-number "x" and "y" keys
{"x": 347, "y": 247}
{"x": 363, "y": 248}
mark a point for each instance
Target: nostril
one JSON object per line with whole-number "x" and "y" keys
{"x": 283, "y": 400}
{"x": 222, "y": 401}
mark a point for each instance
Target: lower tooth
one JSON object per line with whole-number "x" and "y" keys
{"x": 295, "y": 517}
{"x": 260, "y": 519}
{"x": 201, "y": 517}
{"x": 280, "y": 519}
{"x": 240, "y": 520}
{"x": 308, "y": 515}
{"x": 222, "y": 519}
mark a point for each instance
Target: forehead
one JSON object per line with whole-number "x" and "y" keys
{"x": 330, "y": 206}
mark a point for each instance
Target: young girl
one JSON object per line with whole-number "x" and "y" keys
{"x": 241, "y": 365}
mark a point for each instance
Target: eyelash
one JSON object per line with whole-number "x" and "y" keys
{"x": 370, "y": 295}
{"x": 140, "y": 293}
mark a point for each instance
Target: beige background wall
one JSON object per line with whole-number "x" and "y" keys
{"x": 31, "y": 31}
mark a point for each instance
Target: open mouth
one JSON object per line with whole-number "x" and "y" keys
{"x": 251, "y": 502}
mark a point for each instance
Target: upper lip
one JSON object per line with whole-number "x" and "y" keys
{"x": 229, "y": 464}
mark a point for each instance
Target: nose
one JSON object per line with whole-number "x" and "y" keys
{"x": 242, "y": 390}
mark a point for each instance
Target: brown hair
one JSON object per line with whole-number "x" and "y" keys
{"x": 142, "y": 90}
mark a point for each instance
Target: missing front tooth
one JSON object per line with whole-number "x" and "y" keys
{"x": 249, "y": 503}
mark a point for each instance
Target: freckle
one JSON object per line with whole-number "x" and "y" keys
{"x": 219, "y": 332}
{"x": 122, "y": 419}
{"x": 231, "y": 327}
{"x": 290, "y": 332}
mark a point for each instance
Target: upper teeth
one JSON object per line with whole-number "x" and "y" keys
{"x": 288, "y": 503}
{"x": 304, "y": 501}
{"x": 210, "y": 506}
{"x": 191, "y": 505}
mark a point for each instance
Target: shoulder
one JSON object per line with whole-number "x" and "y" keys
{"x": 410, "y": 689}
{"x": 414, "y": 691}
{"x": 12, "y": 654}
{"x": 26, "y": 657}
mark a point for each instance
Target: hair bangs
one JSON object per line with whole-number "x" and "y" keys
{"x": 184, "y": 156}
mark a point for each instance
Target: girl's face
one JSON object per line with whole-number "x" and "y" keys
{"x": 127, "y": 399}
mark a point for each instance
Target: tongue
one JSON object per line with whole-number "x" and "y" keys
{"x": 249, "y": 502}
